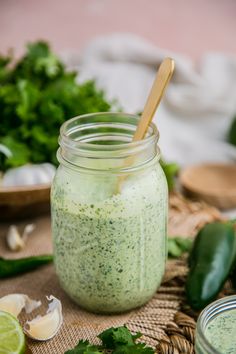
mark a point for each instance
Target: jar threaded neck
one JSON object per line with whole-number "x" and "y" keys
{"x": 107, "y": 138}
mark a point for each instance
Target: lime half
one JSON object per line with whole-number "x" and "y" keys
{"x": 12, "y": 338}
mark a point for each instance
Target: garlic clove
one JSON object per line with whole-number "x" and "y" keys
{"x": 27, "y": 231}
{"x": 43, "y": 328}
{"x": 15, "y": 303}
{"x": 14, "y": 240}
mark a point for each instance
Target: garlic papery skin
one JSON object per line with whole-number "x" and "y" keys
{"x": 15, "y": 303}
{"x": 43, "y": 328}
{"x": 29, "y": 175}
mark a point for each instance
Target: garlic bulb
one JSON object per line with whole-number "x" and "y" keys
{"x": 29, "y": 175}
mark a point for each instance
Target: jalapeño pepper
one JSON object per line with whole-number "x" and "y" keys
{"x": 12, "y": 267}
{"x": 211, "y": 260}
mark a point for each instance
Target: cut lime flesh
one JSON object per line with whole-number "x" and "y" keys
{"x": 12, "y": 338}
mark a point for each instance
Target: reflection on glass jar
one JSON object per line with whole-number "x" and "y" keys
{"x": 216, "y": 328}
{"x": 109, "y": 213}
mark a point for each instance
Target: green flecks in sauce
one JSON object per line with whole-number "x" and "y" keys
{"x": 110, "y": 249}
{"x": 221, "y": 332}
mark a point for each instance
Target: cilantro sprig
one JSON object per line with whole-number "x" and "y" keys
{"x": 171, "y": 170}
{"x": 178, "y": 245}
{"x": 117, "y": 340}
{"x": 37, "y": 94}
{"x": 84, "y": 347}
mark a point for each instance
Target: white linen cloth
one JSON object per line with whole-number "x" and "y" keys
{"x": 199, "y": 103}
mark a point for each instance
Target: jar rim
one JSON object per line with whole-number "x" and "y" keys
{"x": 153, "y": 134}
{"x": 207, "y": 314}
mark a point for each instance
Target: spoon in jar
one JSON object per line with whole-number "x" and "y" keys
{"x": 160, "y": 83}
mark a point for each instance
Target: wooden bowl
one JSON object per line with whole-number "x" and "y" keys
{"x": 24, "y": 201}
{"x": 213, "y": 183}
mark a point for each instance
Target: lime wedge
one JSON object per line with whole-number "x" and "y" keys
{"x": 12, "y": 338}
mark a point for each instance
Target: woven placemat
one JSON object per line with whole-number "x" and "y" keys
{"x": 166, "y": 322}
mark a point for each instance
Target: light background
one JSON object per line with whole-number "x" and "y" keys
{"x": 191, "y": 27}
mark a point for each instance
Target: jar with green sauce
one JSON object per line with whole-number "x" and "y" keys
{"x": 216, "y": 328}
{"x": 109, "y": 213}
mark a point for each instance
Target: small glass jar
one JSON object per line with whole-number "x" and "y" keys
{"x": 109, "y": 213}
{"x": 216, "y": 328}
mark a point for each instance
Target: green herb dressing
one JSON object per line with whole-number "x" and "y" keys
{"x": 221, "y": 332}
{"x": 109, "y": 249}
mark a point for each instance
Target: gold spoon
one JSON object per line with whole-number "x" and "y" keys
{"x": 160, "y": 83}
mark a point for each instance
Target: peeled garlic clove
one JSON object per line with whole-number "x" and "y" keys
{"x": 45, "y": 327}
{"x": 27, "y": 231}
{"x": 14, "y": 240}
{"x": 15, "y": 303}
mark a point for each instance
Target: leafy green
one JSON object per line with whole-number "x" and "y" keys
{"x": 134, "y": 349}
{"x": 232, "y": 133}
{"x": 19, "y": 152}
{"x": 37, "y": 95}
{"x": 113, "y": 337}
{"x": 114, "y": 340}
{"x": 178, "y": 245}
{"x": 170, "y": 170}
{"x": 84, "y": 347}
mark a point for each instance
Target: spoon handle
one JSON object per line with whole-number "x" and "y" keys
{"x": 160, "y": 83}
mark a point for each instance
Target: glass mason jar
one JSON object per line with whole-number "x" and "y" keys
{"x": 216, "y": 328}
{"x": 109, "y": 213}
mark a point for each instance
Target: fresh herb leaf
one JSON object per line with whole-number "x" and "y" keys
{"x": 37, "y": 94}
{"x": 84, "y": 347}
{"x": 136, "y": 336}
{"x": 178, "y": 245}
{"x": 134, "y": 349}
{"x": 114, "y": 340}
{"x": 19, "y": 152}
{"x": 171, "y": 170}
{"x": 121, "y": 341}
{"x": 113, "y": 337}
{"x": 232, "y": 132}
